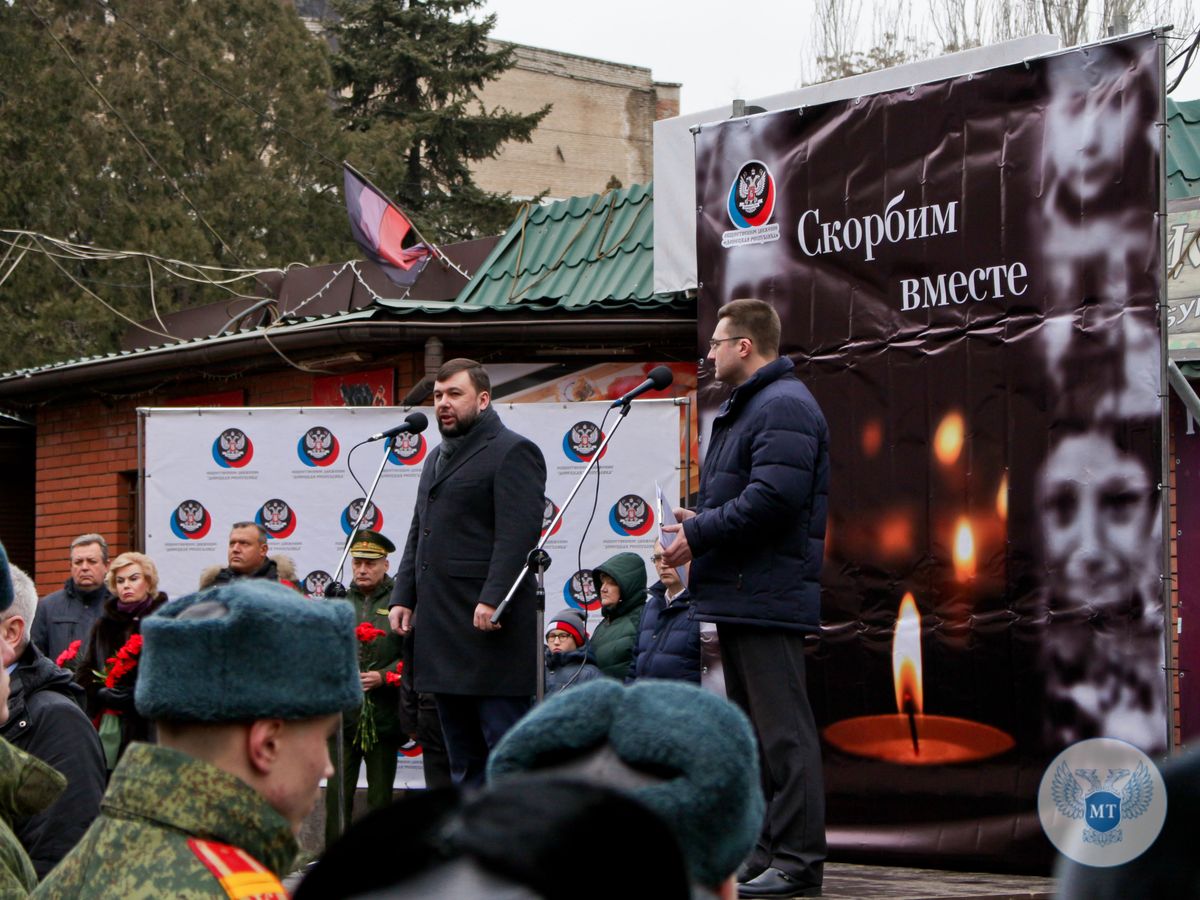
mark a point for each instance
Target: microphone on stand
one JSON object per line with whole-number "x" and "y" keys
{"x": 414, "y": 423}
{"x": 657, "y": 379}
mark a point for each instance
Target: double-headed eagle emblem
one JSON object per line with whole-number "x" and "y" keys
{"x": 1102, "y": 806}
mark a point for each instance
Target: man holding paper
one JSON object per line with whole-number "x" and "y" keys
{"x": 757, "y": 540}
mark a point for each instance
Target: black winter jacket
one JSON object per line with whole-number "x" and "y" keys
{"x": 758, "y": 537}
{"x": 46, "y": 721}
{"x": 668, "y": 642}
{"x": 65, "y": 616}
{"x": 570, "y": 668}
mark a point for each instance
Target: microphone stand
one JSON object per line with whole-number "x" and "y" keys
{"x": 336, "y": 589}
{"x": 538, "y": 560}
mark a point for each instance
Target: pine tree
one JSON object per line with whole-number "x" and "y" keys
{"x": 411, "y": 70}
{"x": 194, "y": 131}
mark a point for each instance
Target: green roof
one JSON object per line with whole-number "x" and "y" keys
{"x": 574, "y": 254}
{"x": 1183, "y": 149}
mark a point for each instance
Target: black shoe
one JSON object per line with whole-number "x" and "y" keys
{"x": 749, "y": 870}
{"x": 775, "y": 883}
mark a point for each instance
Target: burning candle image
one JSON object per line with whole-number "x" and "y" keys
{"x": 964, "y": 550}
{"x": 909, "y": 736}
{"x": 948, "y": 439}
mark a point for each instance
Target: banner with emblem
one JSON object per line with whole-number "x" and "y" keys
{"x": 968, "y": 274}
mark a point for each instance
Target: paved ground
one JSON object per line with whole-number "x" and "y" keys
{"x": 844, "y": 882}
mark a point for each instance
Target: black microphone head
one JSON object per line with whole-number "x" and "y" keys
{"x": 661, "y": 376}
{"x": 417, "y": 422}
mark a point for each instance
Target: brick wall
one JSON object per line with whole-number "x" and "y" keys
{"x": 600, "y": 126}
{"x": 87, "y": 459}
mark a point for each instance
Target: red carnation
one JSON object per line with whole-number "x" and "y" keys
{"x": 69, "y": 654}
{"x": 124, "y": 662}
{"x": 366, "y": 632}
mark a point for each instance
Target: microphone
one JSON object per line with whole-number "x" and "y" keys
{"x": 659, "y": 377}
{"x": 414, "y": 423}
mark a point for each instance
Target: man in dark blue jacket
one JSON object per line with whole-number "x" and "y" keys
{"x": 757, "y": 537}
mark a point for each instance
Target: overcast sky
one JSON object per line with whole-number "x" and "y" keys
{"x": 718, "y": 51}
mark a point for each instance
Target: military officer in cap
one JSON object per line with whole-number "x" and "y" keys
{"x": 244, "y": 682}
{"x": 378, "y": 658}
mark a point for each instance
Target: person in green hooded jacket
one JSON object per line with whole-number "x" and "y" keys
{"x": 621, "y": 582}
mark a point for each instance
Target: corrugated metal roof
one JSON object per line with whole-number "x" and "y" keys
{"x": 574, "y": 254}
{"x": 1183, "y": 148}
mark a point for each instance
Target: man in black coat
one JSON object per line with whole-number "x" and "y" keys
{"x": 478, "y": 514}
{"x": 45, "y": 720}
{"x": 758, "y": 537}
{"x": 68, "y": 615}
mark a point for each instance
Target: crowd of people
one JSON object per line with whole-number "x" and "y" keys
{"x": 174, "y": 747}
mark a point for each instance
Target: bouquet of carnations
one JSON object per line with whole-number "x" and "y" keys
{"x": 365, "y": 735}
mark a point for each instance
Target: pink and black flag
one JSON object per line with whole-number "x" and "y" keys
{"x": 383, "y": 232}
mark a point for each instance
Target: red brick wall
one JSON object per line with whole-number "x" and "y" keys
{"x": 84, "y": 446}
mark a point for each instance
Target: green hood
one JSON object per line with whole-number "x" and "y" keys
{"x": 629, "y": 572}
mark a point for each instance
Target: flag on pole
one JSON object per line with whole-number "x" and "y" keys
{"x": 381, "y": 229}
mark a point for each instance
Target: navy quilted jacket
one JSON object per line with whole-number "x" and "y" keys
{"x": 758, "y": 536}
{"x": 668, "y": 641}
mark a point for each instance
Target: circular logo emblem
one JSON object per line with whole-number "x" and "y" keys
{"x": 190, "y": 521}
{"x": 581, "y": 441}
{"x": 408, "y": 450}
{"x": 410, "y": 749}
{"x": 372, "y": 521}
{"x": 277, "y": 517}
{"x": 631, "y": 516}
{"x": 314, "y": 584}
{"x": 317, "y": 447}
{"x": 549, "y": 511}
{"x": 1102, "y": 802}
{"x": 752, "y": 196}
{"x": 580, "y": 591}
{"x": 232, "y": 449}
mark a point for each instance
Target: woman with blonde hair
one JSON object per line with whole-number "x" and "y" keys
{"x": 107, "y": 670}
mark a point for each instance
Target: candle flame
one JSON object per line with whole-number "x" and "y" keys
{"x": 872, "y": 438}
{"x": 964, "y": 550}
{"x": 948, "y": 439}
{"x": 906, "y": 658}
{"x": 1002, "y": 498}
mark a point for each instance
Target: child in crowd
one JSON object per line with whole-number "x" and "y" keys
{"x": 569, "y": 658}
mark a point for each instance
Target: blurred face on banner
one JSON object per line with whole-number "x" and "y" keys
{"x": 1097, "y": 514}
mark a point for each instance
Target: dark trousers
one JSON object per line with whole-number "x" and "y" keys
{"x": 471, "y": 727}
{"x": 435, "y": 764}
{"x": 381, "y": 777}
{"x": 764, "y": 675}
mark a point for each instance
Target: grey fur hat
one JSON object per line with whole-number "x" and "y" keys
{"x": 6, "y": 585}
{"x": 692, "y": 756}
{"x": 250, "y": 649}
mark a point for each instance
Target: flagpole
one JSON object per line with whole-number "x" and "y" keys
{"x": 437, "y": 251}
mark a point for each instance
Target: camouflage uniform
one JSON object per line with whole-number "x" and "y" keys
{"x": 27, "y": 786}
{"x": 174, "y": 826}
{"x": 385, "y": 652}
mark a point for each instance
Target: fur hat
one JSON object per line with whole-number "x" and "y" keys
{"x": 6, "y": 585}
{"x": 251, "y": 649}
{"x": 687, "y": 754}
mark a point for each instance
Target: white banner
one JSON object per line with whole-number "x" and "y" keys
{"x": 286, "y": 468}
